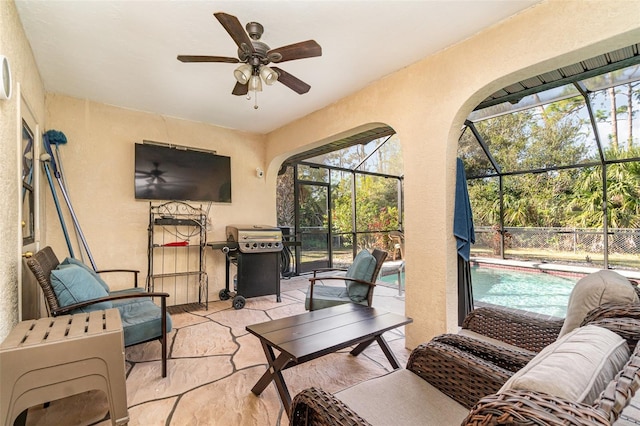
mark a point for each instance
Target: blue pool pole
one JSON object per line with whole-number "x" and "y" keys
{"x": 57, "y": 138}
{"x": 46, "y": 158}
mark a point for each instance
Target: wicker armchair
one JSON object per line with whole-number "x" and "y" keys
{"x": 458, "y": 373}
{"x": 531, "y": 333}
{"x": 525, "y": 407}
{"x": 455, "y": 372}
{"x": 513, "y": 328}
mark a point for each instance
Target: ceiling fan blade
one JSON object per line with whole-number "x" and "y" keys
{"x": 293, "y": 83}
{"x": 199, "y": 58}
{"x": 240, "y": 89}
{"x": 235, "y": 30}
{"x": 303, "y": 49}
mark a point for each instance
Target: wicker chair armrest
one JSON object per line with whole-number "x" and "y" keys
{"x": 533, "y": 408}
{"x": 616, "y": 396}
{"x": 135, "y": 273}
{"x": 627, "y": 328}
{"x": 458, "y": 374}
{"x": 613, "y": 310}
{"x": 316, "y": 407}
{"x": 523, "y": 331}
{"x": 507, "y": 358}
{"x": 66, "y": 309}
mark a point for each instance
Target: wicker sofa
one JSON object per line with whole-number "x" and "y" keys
{"x": 435, "y": 388}
{"x": 599, "y": 294}
{"x": 456, "y": 372}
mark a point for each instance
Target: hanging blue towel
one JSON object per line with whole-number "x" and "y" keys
{"x": 462, "y": 216}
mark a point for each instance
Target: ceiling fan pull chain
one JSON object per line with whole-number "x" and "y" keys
{"x": 255, "y": 98}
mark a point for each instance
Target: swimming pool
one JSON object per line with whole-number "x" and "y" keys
{"x": 530, "y": 291}
{"x": 536, "y": 292}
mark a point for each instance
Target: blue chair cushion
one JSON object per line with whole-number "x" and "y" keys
{"x": 361, "y": 268}
{"x": 117, "y": 303}
{"x": 74, "y": 284}
{"x": 141, "y": 321}
{"x": 326, "y": 296}
{"x": 73, "y": 261}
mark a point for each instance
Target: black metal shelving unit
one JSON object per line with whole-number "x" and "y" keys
{"x": 176, "y": 263}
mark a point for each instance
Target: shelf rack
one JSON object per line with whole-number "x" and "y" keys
{"x": 176, "y": 262}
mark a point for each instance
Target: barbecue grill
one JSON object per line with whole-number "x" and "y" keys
{"x": 256, "y": 251}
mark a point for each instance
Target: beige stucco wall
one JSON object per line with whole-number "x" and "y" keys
{"x": 27, "y": 85}
{"x": 427, "y": 103}
{"x": 98, "y": 162}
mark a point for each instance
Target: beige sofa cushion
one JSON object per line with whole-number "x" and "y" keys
{"x": 402, "y": 398}
{"x": 592, "y": 291}
{"x": 576, "y": 367}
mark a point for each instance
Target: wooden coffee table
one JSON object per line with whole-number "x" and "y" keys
{"x": 308, "y": 336}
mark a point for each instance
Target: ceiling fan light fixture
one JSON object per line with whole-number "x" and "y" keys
{"x": 255, "y": 84}
{"x": 268, "y": 75}
{"x": 243, "y": 73}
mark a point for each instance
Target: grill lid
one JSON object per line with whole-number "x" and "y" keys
{"x": 255, "y": 238}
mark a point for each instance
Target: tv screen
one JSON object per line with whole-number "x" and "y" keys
{"x": 170, "y": 173}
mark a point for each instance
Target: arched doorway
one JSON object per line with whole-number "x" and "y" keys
{"x": 552, "y": 165}
{"x": 342, "y": 197}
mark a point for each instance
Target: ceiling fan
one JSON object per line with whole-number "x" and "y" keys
{"x": 255, "y": 55}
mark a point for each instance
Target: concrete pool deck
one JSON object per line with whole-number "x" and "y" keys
{"x": 561, "y": 269}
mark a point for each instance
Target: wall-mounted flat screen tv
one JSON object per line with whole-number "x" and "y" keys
{"x": 177, "y": 173}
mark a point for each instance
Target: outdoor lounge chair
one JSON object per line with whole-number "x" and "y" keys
{"x": 603, "y": 298}
{"x": 397, "y": 239}
{"x": 73, "y": 287}
{"x": 600, "y": 379}
{"x": 359, "y": 282}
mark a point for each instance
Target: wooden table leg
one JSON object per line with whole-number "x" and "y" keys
{"x": 274, "y": 372}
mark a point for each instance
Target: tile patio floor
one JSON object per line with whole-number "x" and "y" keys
{"x": 213, "y": 364}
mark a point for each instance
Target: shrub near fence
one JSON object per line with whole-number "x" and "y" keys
{"x": 568, "y": 244}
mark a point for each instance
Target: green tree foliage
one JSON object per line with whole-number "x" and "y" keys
{"x": 377, "y": 203}
{"x": 313, "y": 207}
{"x": 534, "y": 139}
{"x": 341, "y": 210}
{"x": 377, "y": 207}
{"x": 485, "y": 201}
{"x": 541, "y": 138}
{"x": 623, "y": 196}
{"x": 285, "y": 205}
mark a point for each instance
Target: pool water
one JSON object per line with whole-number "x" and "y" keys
{"x": 530, "y": 291}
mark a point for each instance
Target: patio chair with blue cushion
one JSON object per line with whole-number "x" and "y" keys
{"x": 359, "y": 281}
{"x": 72, "y": 287}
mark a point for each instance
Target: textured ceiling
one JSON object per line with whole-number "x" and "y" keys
{"x": 124, "y": 52}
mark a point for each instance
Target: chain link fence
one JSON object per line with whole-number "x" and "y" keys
{"x": 574, "y": 245}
